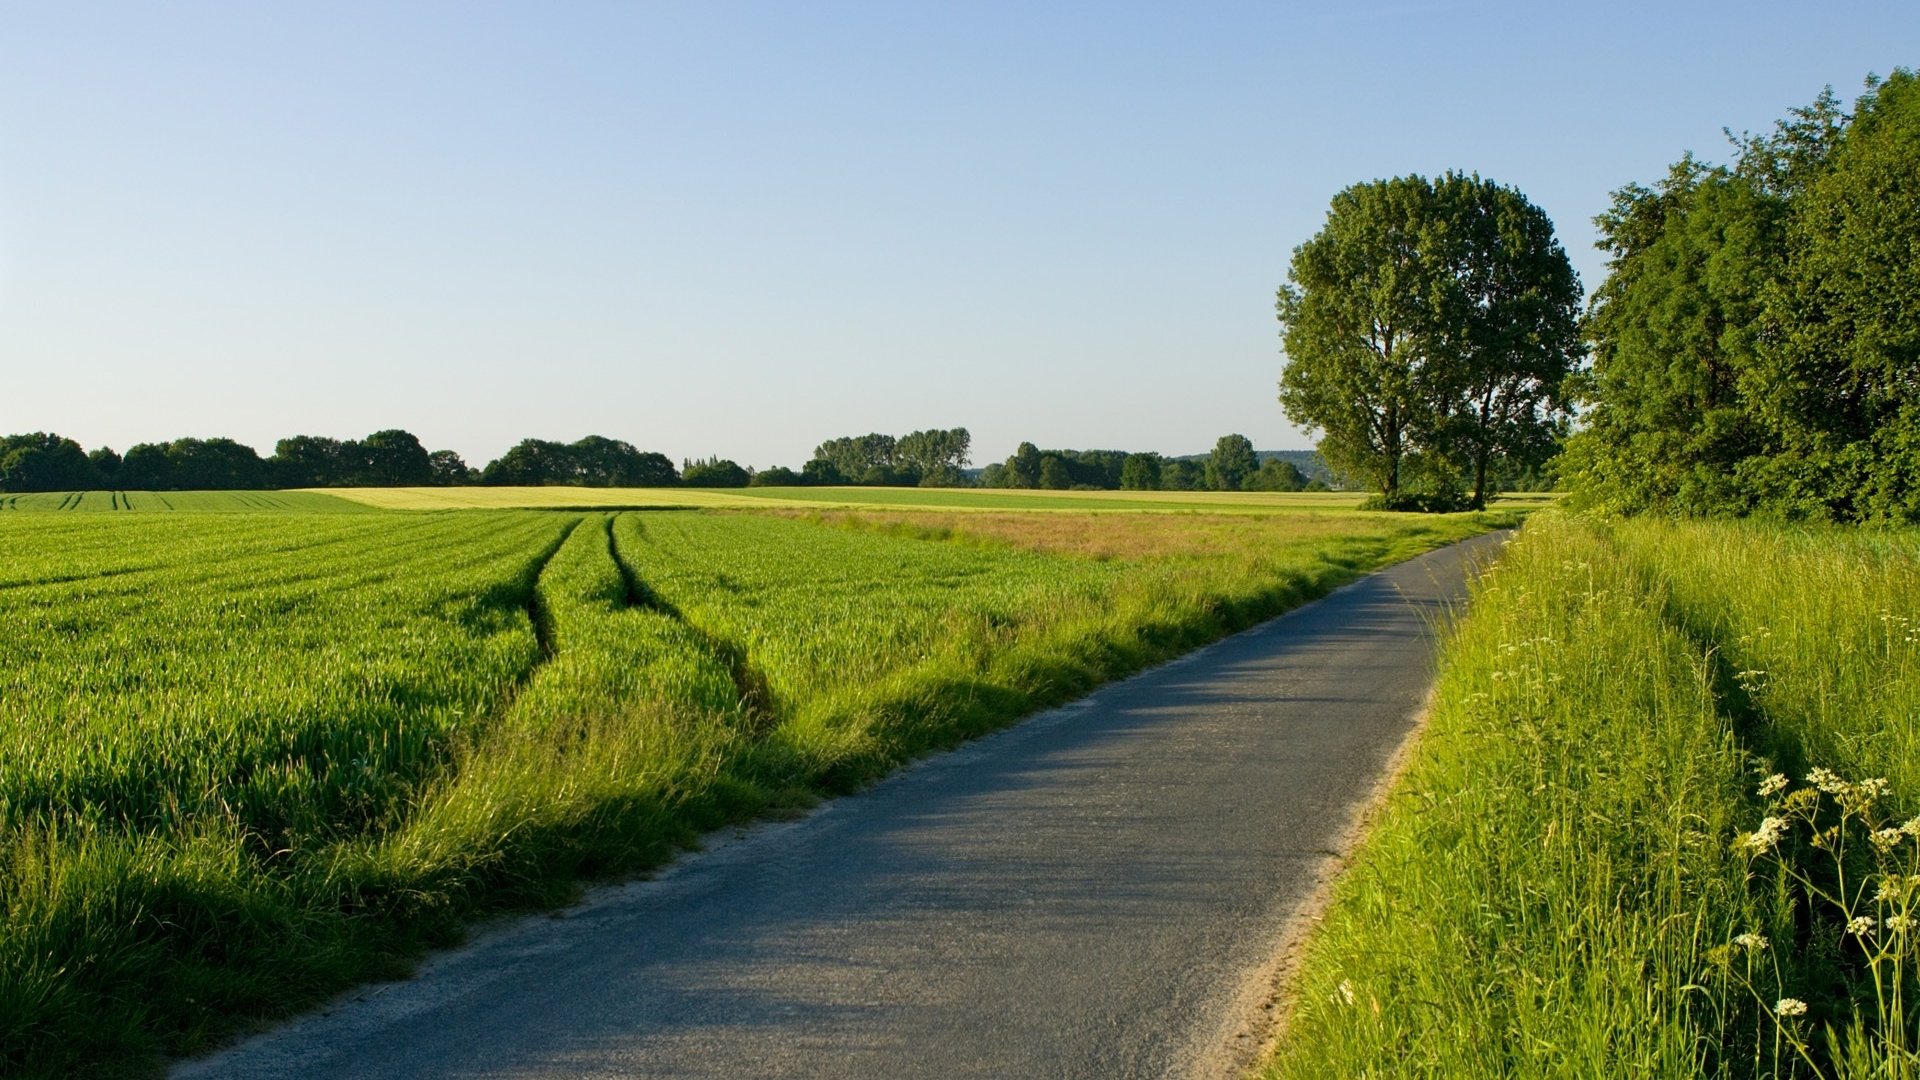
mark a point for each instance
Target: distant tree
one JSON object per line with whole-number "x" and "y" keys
{"x": 937, "y": 455}
{"x": 821, "y": 472}
{"x": 1275, "y": 475}
{"x": 394, "y": 458}
{"x": 993, "y": 476}
{"x": 43, "y": 462}
{"x": 1140, "y": 472}
{"x": 1023, "y": 468}
{"x": 852, "y": 456}
{"x": 1231, "y": 463}
{"x": 530, "y": 463}
{"x": 146, "y": 467}
{"x": 214, "y": 465}
{"x": 106, "y": 465}
{"x": 1180, "y": 475}
{"x": 301, "y": 461}
{"x": 602, "y": 462}
{"x": 778, "y": 476}
{"x": 449, "y": 470}
{"x": 713, "y": 472}
{"x": 1054, "y": 474}
{"x": 888, "y": 476}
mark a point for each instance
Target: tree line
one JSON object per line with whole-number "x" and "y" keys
{"x": 43, "y": 461}
{"x": 1756, "y": 345}
{"x": 1232, "y": 466}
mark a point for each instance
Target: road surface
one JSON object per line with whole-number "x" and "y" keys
{"x": 1100, "y": 891}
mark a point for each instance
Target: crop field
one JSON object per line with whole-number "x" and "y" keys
{"x": 471, "y": 498}
{"x": 1661, "y": 822}
{"x": 253, "y": 501}
{"x": 251, "y": 758}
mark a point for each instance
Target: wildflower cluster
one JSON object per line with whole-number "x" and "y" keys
{"x": 1865, "y": 893}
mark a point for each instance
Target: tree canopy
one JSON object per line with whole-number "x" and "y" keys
{"x": 1756, "y": 346}
{"x": 1429, "y": 327}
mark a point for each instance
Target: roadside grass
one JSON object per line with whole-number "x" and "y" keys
{"x": 250, "y": 760}
{"x": 1645, "y": 831}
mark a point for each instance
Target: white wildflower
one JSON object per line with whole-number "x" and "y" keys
{"x": 1889, "y": 890}
{"x": 1790, "y": 1007}
{"x": 1911, "y": 826}
{"x": 1860, "y": 925}
{"x": 1751, "y": 941}
{"x": 1826, "y": 780}
{"x": 1871, "y": 789}
{"x": 1768, "y": 834}
{"x": 1899, "y": 923}
{"x": 1774, "y": 785}
{"x": 1885, "y": 839}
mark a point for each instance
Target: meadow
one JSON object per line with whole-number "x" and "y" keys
{"x": 252, "y": 757}
{"x": 1659, "y": 824}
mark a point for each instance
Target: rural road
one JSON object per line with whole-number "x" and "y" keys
{"x": 1098, "y": 892}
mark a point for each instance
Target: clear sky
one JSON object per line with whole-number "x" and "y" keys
{"x": 744, "y": 228}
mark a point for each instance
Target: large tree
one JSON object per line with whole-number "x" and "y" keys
{"x": 1510, "y": 328}
{"x": 1429, "y": 321}
{"x": 1232, "y": 463}
{"x": 1357, "y": 322}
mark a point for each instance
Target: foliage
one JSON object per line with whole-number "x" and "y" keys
{"x": 1231, "y": 464}
{"x": 1429, "y": 318}
{"x": 1757, "y": 342}
{"x": 594, "y": 461}
{"x": 1276, "y": 474}
{"x": 778, "y": 476}
{"x": 1138, "y": 472}
{"x": 43, "y": 462}
{"x": 713, "y": 472}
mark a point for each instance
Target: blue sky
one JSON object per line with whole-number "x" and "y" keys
{"x": 744, "y": 228}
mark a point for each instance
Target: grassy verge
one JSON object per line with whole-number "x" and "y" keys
{"x": 1592, "y": 867}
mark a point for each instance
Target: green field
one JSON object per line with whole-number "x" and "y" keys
{"x": 468, "y": 498}
{"x": 1659, "y": 824}
{"x": 210, "y": 501}
{"x": 253, "y": 757}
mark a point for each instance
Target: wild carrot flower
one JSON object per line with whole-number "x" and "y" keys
{"x": 1826, "y": 780}
{"x": 1885, "y": 839}
{"x": 1775, "y": 784}
{"x": 1860, "y": 925}
{"x": 1751, "y": 941}
{"x": 1911, "y": 826}
{"x": 1768, "y": 834}
{"x": 1790, "y": 1007}
{"x": 1899, "y": 923}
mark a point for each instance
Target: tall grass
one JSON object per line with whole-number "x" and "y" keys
{"x": 1653, "y": 827}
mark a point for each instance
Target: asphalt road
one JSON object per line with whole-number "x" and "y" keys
{"x": 1098, "y": 892}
